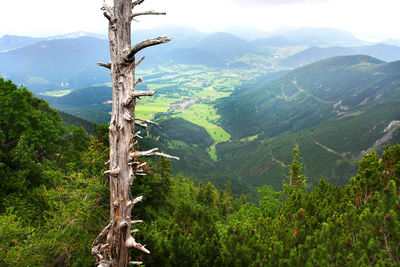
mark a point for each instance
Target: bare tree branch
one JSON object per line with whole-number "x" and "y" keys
{"x": 144, "y": 44}
{"x": 108, "y": 12}
{"x": 147, "y": 153}
{"x": 135, "y": 263}
{"x": 98, "y": 249}
{"x": 105, "y": 65}
{"x": 100, "y": 237}
{"x": 140, "y": 80}
{"x": 113, "y": 173}
{"x": 142, "y": 165}
{"x": 131, "y": 243}
{"x": 138, "y": 93}
{"x": 135, "y": 201}
{"x": 137, "y": 134}
{"x": 143, "y": 125}
{"x": 136, "y": 3}
{"x": 151, "y": 152}
{"x": 140, "y": 61}
{"x": 108, "y": 17}
{"x": 147, "y": 13}
{"x": 165, "y": 156}
{"x": 147, "y": 121}
{"x": 139, "y": 171}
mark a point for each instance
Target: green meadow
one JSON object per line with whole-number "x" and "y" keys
{"x": 206, "y": 116}
{"x": 190, "y": 92}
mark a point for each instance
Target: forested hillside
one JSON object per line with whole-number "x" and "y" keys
{"x": 335, "y": 110}
{"x": 54, "y": 201}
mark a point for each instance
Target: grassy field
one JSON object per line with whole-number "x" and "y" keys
{"x": 189, "y": 92}
{"x": 151, "y": 106}
{"x": 206, "y": 116}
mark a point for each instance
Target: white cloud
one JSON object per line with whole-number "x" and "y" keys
{"x": 45, "y": 17}
{"x": 263, "y": 3}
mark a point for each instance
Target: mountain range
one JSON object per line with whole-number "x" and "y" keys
{"x": 69, "y": 61}
{"x": 382, "y": 51}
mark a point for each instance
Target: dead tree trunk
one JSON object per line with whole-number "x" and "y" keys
{"x": 124, "y": 165}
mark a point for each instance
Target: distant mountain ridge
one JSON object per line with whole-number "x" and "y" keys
{"x": 382, "y": 51}
{"x": 313, "y": 36}
{"x": 57, "y": 63}
{"x": 69, "y": 61}
{"x": 11, "y": 42}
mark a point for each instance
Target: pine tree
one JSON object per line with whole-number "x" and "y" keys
{"x": 296, "y": 178}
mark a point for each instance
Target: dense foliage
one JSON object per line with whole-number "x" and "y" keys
{"x": 54, "y": 202}
{"x": 52, "y": 194}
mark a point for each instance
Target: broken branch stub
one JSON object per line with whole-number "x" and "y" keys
{"x": 105, "y": 65}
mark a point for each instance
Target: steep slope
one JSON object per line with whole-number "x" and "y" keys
{"x": 329, "y": 150}
{"x": 309, "y": 95}
{"x": 76, "y": 121}
{"x": 88, "y": 103}
{"x": 334, "y": 110}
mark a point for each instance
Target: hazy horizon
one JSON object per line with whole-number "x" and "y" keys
{"x": 252, "y": 33}
{"x": 366, "y": 19}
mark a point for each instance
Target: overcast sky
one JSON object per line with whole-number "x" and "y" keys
{"x": 365, "y": 18}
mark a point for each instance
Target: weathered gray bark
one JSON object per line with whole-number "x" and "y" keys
{"x": 124, "y": 165}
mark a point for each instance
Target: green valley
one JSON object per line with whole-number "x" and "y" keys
{"x": 333, "y": 110}
{"x": 185, "y": 91}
